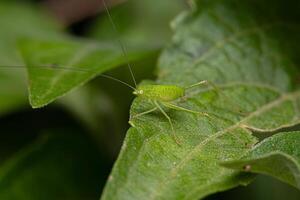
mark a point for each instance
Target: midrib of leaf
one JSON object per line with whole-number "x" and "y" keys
{"x": 240, "y": 124}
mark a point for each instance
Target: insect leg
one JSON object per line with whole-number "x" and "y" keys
{"x": 143, "y": 113}
{"x": 170, "y": 122}
{"x": 205, "y": 82}
{"x": 218, "y": 92}
{"x": 175, "y": 107}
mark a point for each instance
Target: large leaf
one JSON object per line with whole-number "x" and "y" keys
{"x": 45, "y": 46}
{"x": 54, "y": 167}
{"x": 243, "y": 47}
{"x": 81, "y": 60}
{"x": 18, "y": 21}
{"x": 278, "y": 156}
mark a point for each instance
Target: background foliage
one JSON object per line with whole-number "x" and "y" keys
{"x": 66, "y": 150}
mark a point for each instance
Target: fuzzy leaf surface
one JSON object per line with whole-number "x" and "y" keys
{"x": 242, "y": 47}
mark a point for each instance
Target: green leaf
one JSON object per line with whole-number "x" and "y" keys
{"x": 245, "y": 48}
{"x": 81, "y": 61}
{"x": 18, "y": 21}
{"x": 54, "y": 167}
{"x": 278, "y": 156}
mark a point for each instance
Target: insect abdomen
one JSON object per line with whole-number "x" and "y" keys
{"x": 161, "y": 92}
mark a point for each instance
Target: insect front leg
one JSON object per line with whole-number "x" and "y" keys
{"x": 170, "y": 122}
{"x": 143, "y": 113}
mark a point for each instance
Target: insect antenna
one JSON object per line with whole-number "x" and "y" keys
{"x": 55, "y": 67}
{"x": 115, "y": 79}
{"x": 120, "y": 41}
{"x": 124, "y": 51}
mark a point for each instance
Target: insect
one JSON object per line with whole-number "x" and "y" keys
{"x": 165, "y": 95}
{"x": 161, "y": 96}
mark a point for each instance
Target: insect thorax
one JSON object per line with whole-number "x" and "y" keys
{"x": 160, "y": 92}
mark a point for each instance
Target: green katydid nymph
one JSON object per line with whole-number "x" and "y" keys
{"x": 160, "y": 92}
{"x": 166, "y": 95}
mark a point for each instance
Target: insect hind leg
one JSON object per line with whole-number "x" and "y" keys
{"x": 175, "y": 107}
{"x": 203, "y": 83}
{"x": 216, "y": 89}
{"x": 170, "y": 122}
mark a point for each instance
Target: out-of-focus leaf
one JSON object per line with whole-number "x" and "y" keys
{"x": 82, "y": 61}
{"x": 18, "y": 21}
{"x": 55, "y": 167}
{"x": 138, "y": 22}
{"x": 278, "y": 156}
{"x": 45, "y": 46}
{"x": 242, "y": 47}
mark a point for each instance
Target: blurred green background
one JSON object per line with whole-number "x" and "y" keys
{"x": 38, "y": 158}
